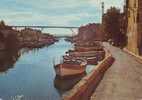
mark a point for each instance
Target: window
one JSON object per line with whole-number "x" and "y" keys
{"x": 135, "y": 3}
{"x": 138, "y": 18}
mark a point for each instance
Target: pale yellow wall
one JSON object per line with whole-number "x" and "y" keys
{"x": 132, "y": 30}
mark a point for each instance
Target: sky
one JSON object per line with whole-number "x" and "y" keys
{"x": 54, "y": 12}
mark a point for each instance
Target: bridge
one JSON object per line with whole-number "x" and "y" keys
{"x": 42, "y": 27}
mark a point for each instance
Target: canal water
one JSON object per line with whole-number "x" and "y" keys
{"x": 29, "y": 74}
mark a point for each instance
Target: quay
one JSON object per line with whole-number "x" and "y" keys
{"x": 84, "y": 89}
{"x": 123, "y": 80}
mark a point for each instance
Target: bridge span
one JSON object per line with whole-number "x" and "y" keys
{"x": 43, "y": 26}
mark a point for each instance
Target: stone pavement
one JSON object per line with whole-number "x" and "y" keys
{"x": 123, "y": 80}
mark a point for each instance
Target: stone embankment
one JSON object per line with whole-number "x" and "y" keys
{"x": 123, "y": 80}
{"x": 84, "y": 89}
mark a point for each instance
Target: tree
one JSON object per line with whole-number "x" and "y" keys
{"x": 2, "y": 24}
{"x": 112, "y": 26}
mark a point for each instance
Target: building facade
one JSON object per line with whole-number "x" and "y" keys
{"x": 139, "y": 20}
{"x": 134, "y": 25}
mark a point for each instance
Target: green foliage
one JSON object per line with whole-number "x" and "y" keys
{"x": 2, "y": 24}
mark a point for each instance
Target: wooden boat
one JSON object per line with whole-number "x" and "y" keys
{"x": 88, "y": 44}
{"x": 87, "y": 54}
{"x": 68, "y": 58}
{"x": 90, "y": 60}
{"x": 70, "y": 68}
{"x": 85, "y": 49}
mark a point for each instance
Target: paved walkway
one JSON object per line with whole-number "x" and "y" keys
{"x": 123, "y": 80}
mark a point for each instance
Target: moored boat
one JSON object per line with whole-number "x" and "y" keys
{"x": 88, "y": 43}
{"x": 70, "y": 68}
{"x": 90, "y": 60}
{"x": 85, "y": 49}
{"x": 98, "y": 54}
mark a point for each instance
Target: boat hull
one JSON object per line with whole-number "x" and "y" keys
{"x": 89, "y": 60}
{"x": 67, "y": 70}
{"x": 98, "y": 54}
{"x": 85, "y": 49}
{"x": 92, "y": 61}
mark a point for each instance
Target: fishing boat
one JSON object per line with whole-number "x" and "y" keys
{"x": 70, "y": 68}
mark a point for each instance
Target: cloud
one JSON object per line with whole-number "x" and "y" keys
{"x": 53, "y": 12}
{"x": 36, "y": 18}
{"x": 51, "y": 4}
{"x": 108, "y": 3}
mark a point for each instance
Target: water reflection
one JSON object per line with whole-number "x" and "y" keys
{"x": 65, "y": 84}
{"x": 7, "y": 59}
{"x": 10, "y": 56}
{"x": 33, "y": 74}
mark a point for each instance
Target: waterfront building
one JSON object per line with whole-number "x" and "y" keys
{"x": 134, "y": 25}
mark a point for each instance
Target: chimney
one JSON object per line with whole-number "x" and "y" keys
{"x": 102, "y": 10}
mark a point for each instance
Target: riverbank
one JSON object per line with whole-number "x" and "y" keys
{"x": 30, "y": 38}
{"x": 39, "y": 43}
